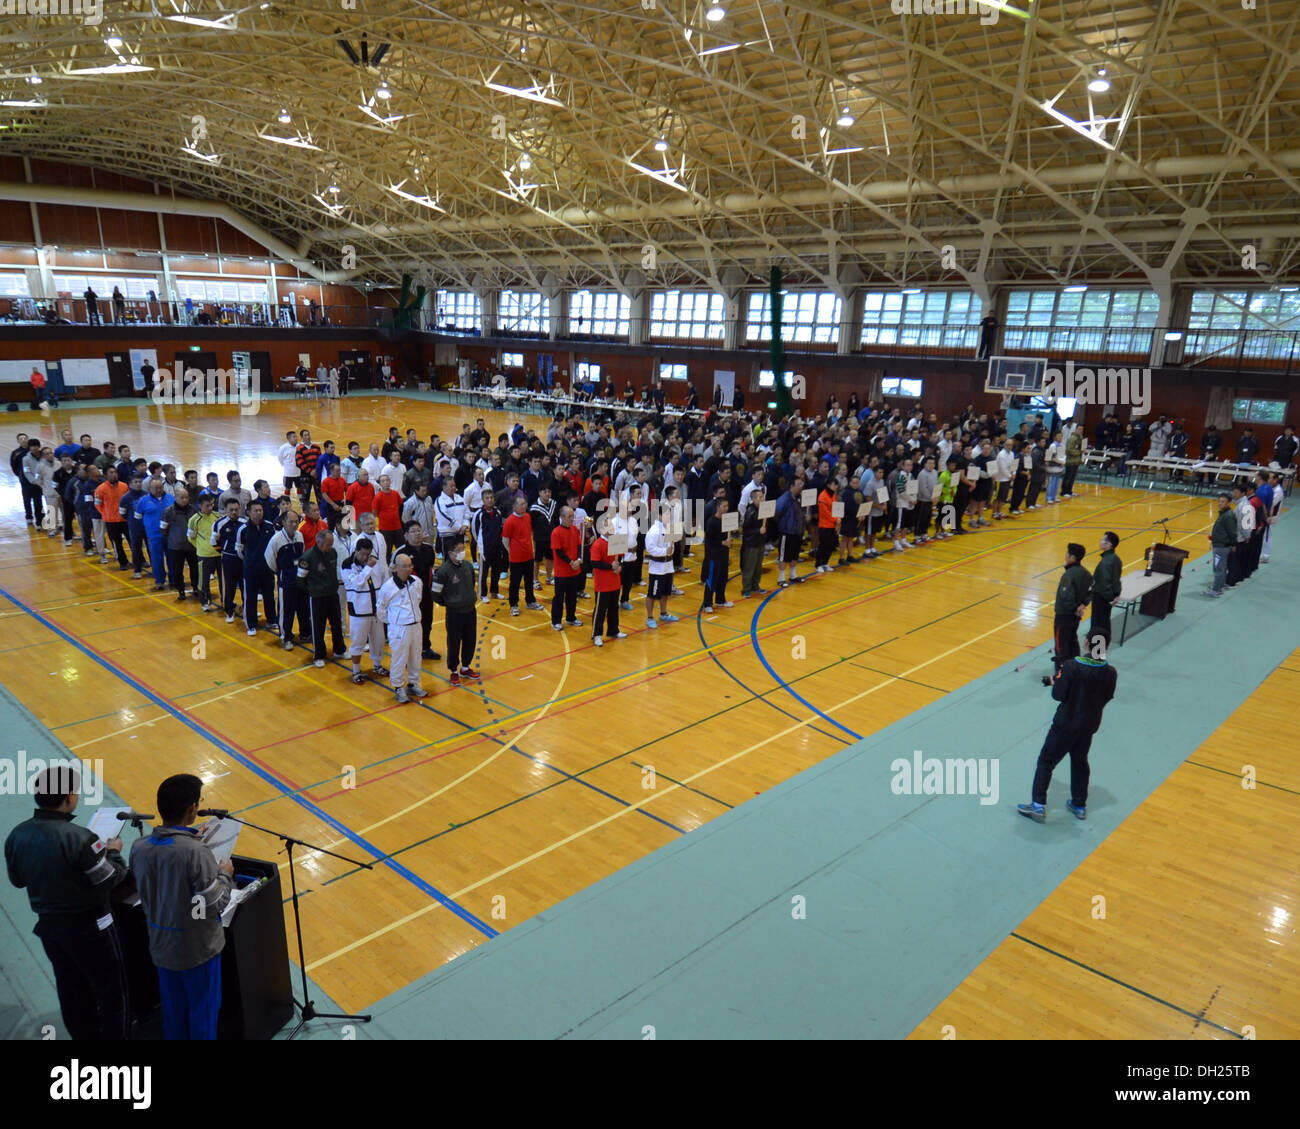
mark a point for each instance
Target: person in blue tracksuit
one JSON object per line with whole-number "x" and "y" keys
{"x": 134, "y": 524}
{"x": 259, "y": 580}
{"x": 282, "y": 558}
{"x": 150, "y": 508}
{"x": 225, "y": 536}
{"x": 73, "y": 491}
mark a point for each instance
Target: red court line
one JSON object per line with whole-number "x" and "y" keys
{"x": 332, "y": 725}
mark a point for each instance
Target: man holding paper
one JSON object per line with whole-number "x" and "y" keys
{"x": 183, "y": 890}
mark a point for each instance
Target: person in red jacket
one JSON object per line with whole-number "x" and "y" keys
{"x": 566, "y": 547}
{"x": 361, "y": 494}
{"x": 333, "y": 491}
{"x": 388, "y": 513}
{"x": 517, "y": 536}
{"x": 605, "y": 576}
{"x": 312, "y": 523}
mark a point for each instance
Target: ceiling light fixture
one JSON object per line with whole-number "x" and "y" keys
{"x": 716, "y": 13}
{"x": 661, "y": 146}
{"x": 114, "y": 41}
{"x": 846, "y": 149}
{"x": 285, "y": 118}
{"x": 845, "y": 119}
{"x": 1077, "y": 288}
{"x": 1101, "y": 83}
{"x": 383, "y": 91}
{"x": 35, "y": 79}
{"x": 525, "y": 162}
{"x": 530, "y": 94}
{"x": 912, "y": 290}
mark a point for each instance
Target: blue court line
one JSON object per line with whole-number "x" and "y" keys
{"x": 352, "y": 836}
{"x": 758, "y": 650}
{"x": 699, "y": 627}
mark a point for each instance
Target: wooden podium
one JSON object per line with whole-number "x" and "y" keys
{"x": 1168, "y": 560}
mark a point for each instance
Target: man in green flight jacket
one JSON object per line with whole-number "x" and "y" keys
{"x": 1223, "y": 539}
{"x": 1106, "y": 581}
{"x": 1072, "y": 596}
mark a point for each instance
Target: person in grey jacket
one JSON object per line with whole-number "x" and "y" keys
{"x": 183, "y": 890}
{"x": 175, "y": 526}
{"x": 38, "y": 469}
{"x": 927, "y": 485}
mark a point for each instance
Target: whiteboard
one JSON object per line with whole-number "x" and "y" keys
{"x": 19, "y": 372}
{"x": 79, "y": 372}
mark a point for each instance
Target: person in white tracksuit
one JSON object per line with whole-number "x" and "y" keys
{"x": 363, "y": 577}
{"x": 399, "y": 606}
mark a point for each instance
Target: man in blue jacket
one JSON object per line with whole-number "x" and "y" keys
{"x": 134, "y": 524}
{"x": 150, "y": 510}
{"x": 259, "y": 580}
{"x": 790, "y": 521}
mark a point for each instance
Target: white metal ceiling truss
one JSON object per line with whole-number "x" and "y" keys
{"x": 534, "y": 125}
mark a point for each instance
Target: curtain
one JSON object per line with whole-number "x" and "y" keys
{"x": 1218, "y": 412}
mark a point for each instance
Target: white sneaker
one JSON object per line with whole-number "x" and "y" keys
{"x": 318, "y": 662}
{"x": 252, "y": 631}
{"x": 597, "y": 641}
{"x": 230, "y": 619}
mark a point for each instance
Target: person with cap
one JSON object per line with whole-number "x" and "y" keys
{"x": 1106, "y": 583}
{"x": 1072, "y": 595}
{"x": 1086, "y": 683}
{"x": 68, "y": 872}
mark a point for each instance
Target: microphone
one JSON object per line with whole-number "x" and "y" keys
{"x": 220, "y": 813}
{"x": 133, "y": 816}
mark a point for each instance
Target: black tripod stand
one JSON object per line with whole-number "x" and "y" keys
{"x": 307, "y": 1008}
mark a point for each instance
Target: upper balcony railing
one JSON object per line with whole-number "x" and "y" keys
{"x": 1218, "y": 349}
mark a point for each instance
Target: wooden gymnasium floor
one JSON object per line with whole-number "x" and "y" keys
{"x": 490, "y": 804}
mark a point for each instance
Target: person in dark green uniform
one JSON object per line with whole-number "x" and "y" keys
{"x": 1106, "y": 582}
{"x": 1072, "y": 595}
{"x": 68, "y": 873}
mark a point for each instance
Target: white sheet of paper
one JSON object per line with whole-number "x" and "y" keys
{"x": 617, "y": 544}
{"x": 730, "y": 522}
{"x": 837, "y": 509}
{"x": 105, "y": 824}
{"x": 1027, "y": 463}
{"x": 972, "y": 474}
{"x": 809, "y": 497}
{"x": 882, "y": 495}
{"x": 766, "y": 509}
{"x": 220, "y": 836}
{"x": 911, "y": 489}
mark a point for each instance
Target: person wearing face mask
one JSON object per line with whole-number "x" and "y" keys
{"x": 453, "y": 587}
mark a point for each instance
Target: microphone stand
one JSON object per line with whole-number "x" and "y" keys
{"x": 307, "y": 1008}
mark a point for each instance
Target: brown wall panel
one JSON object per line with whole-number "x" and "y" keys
{"x": 129, "y": 231}
{"x": 234, "y": 242}
{"x": 16, "y": 222}
{"x": 190, "y": 234}
{"x": 59, "y": 173}
{"x": 69, "y": 226}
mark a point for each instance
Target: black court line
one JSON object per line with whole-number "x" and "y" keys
{"x": 687, "y": 787}
{"x": 1198, "y": 1017}
{"x": 900, "y": 678}
{"x": 1237, "y": 776}
{"x": 949, "y": 615}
